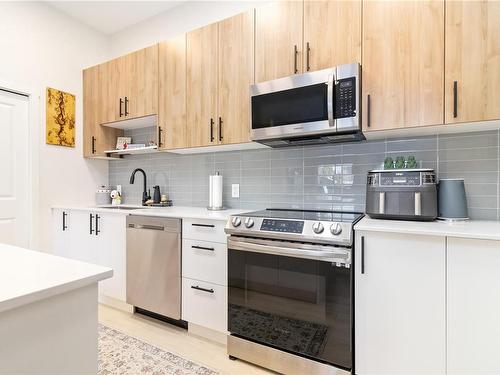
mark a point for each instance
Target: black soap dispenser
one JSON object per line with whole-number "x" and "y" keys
{"x": 156, "y": 194}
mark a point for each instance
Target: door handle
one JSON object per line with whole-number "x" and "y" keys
{"x": 97, "y": 231}
{"x": 160, "y": 130}
{"x": 381, "y": 203}
{"x": 308, "y": 52}
{"x": 455, "y": 99}
{"x": 368, "y": 111}
{"x": 121, "y": 103}
{"x": 211, "y": 129}
{"x": 202, "y": 289}
{"x": 146, "y": 226}
{"x": 220, "y": 129}
{"x": 295, "y": 56}
{"x": 203, "y": 225}
{"x": 93, "y": 145}
{"x": 362, "y": 254}
{"x": 126, "y": 107}
{"x": 202, "y": 248}
{"x": 64, "y": 226}
{"x": 91, "y": 223}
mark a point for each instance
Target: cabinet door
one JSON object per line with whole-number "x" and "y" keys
{"x": 112, "y": 90}
{"x": 236, "y": 74}
{"x": 473, "y": 306}
{"x": 60, "y": 233}
{"x": 332, "y": 33}
{"x": 91, "y": 103}
{"x": 400, "y": 304}
{"x": 403, "y": 64}
{"x": 172, "y": 95}
{"x": 278, "y": 40}
{"x": 472, "y": 61}
{"x": 83, "y": 243}
{"x": 111, "y": 252}
{"x": 141, "y": 82}
{"x": 202, "y": 86}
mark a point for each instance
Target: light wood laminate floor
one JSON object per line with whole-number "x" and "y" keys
{"x": 177, "y": 341}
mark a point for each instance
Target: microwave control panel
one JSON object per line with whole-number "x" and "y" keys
{"x": 345, "y": 97}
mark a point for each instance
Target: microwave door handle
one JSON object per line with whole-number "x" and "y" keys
{"x": 329, "y": 97}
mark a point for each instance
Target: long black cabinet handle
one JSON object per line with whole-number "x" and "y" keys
{"x": 121, "y": 103}
{"x": 308, "y": 52}
{"x": 126, "y": 107}
{"x": 91, "y": 223}
{"x": 368, "y": 111}
{"x": 455, "y": 99}
{"x": 97, "y": 230}
{"x": 64, "y": 226}
{"x": 220, "y": 129}
{"x": 203, "y": 225}
{"x": 93, "y": 145}
{"x": 211, "y": 129}
{"x": 362, "y": 254}
{"x": 202, "y": 248}
{"x": 160, "y": 130}
{"x": 202, "y": 289}
{"x": 295, "y": 56}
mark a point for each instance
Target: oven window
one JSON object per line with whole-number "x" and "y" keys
{"x": 294, "y": 106}
{"x": 298, "y": 305}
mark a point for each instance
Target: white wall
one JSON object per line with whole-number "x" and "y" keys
{"x": 183, "y": 18}
{"x": 42, "y": 47}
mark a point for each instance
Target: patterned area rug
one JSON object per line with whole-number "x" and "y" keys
{"x": 123, "y": 354}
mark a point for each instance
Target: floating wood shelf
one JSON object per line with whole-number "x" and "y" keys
{"x": 133, "y": 151}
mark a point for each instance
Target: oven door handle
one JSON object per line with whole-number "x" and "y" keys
{"x": 329, "y": 97}
{"x": 341, "y": 256}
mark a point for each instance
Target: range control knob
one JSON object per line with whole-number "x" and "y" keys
{"x": 336, "y": 229}
{"x": 318, "y": 228}
{"x": 249, "y": 222}
{"x": 236, "y": 221}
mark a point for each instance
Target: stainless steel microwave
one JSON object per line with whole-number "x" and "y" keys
{"x": 310, "y": 108}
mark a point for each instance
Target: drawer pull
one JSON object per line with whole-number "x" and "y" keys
{"x": 204, "y": 225}
{"x": 202, "y": 248}
{"x": 202, "y": 289}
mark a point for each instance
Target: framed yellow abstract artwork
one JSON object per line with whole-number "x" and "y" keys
{"x": 60, "y": 118}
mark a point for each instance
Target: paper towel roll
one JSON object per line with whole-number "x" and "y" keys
{"x": 215, "y": 193}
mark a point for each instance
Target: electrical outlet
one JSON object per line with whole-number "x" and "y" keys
{"x": 235, "y": 192}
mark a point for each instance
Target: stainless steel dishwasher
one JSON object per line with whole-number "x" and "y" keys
{"x": 154, "y": 264}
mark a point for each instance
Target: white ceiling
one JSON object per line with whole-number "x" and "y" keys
{"x": 109, "y": 17}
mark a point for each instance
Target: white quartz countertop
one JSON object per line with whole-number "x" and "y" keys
{"x": 174, "y": 211}
{"x": 27, "y": 276}
{"x": 477, "y": 229}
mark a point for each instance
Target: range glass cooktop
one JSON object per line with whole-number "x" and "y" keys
{"x": 335, "y": 216}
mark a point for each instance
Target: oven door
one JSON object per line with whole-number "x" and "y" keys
{"x": 301, "y": 305}
{"x": 299, "y": 105}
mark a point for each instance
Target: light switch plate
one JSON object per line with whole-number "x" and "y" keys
{"x": 235, "y": 190}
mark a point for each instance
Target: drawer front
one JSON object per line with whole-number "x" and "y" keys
{"x": 207, "y": 261}
{"x": 206, "y": 230}
{"x": 208, "y": 307}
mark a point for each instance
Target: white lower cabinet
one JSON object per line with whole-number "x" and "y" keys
{"x": 400, "y": 299}
{"x": 473, "y": 306}
{"x": 98, "y": 238}
{"x": 204, "y": 304}
{"x": 204, "y": 260}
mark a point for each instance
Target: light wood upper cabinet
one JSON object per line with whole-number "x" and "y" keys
{"x": 472, "y": 61}
{"x": 278, "y": 40}
{"x": 129, "y": 86}
{"x": 332, "y": 33}
{"x": 141, "y": 82}
{"x": 172, "y": 94}
{"x": 236, "y": 74}
{"x": 96, "y": 139}
{"x": 202, "y": 86}
{"x": 403, "y": 64}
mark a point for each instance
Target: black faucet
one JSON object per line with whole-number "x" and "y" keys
{"x": 145, "y": 195}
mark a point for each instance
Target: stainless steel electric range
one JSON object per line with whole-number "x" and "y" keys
{"x": 290, "y": 290}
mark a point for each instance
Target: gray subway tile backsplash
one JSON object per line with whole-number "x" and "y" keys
{"x": 316, "y": 177}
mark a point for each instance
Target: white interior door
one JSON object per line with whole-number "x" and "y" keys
{"x": 14, "y": 169}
